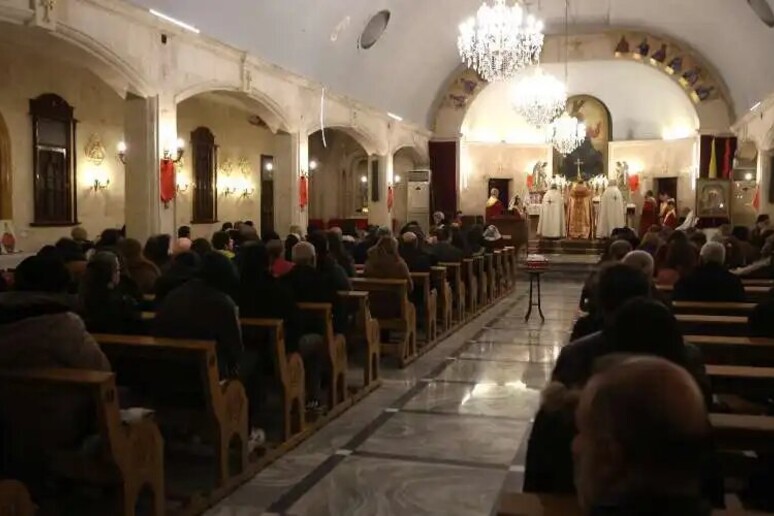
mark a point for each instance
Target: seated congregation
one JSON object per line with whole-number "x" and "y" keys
{"x": 148, "y": 358}
{"x": 662, "y": 403}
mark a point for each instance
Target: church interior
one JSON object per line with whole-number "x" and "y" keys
{"x": 454, "y": 257}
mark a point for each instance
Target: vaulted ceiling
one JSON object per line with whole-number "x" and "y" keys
{"x": 404, "y": 72}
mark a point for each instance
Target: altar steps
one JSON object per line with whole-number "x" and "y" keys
{"x": 567, "y": 247}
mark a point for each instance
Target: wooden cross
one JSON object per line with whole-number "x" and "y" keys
{"x": 578, "y": 163}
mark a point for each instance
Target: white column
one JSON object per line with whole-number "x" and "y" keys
{"x": 378, "y": 213}
{"x": 291, "y": 160}
{"x": 764, "y": 181}
{"x": 141, "y": 212}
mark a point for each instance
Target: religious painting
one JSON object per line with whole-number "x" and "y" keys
{"x": 713, "y": 198}
{"x": 590, "y": 159}
{"x": 7, "y": 237}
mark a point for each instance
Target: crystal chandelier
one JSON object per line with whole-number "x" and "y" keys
{"x": 500, "y": 40}
{"x": 539, "y": 98}
{"x": 566, "y": 133}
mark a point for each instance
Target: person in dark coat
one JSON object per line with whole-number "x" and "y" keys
{"x": 104, "y": 307}
{"x": 443, "y": 250}
{"x": 183, "y": 268}
{"x": 710, "y": 281}
{"x": 203, "y": 308}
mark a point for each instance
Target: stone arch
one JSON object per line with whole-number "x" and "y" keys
{"x": 419, "y": 155}
{"x": 706, "y": 87}
{"x": 6, "y": 178}
{"x": 269, "y": 110}
{"x": 364, "y": 138}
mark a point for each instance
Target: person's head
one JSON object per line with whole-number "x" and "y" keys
{"x": 645, "y": 326}
{"x": 290, "y": 243}
{"x": 186, "y": 263}
{"x": 741, "y": 233}
{"x": 650, "y": 242}
{"x": 103, "y": 273}
{"x": 247, "y": 233}
{"x": 763, "y": 220}
{"x": 383, "y": 231}
{"x": 409, "y": 239}
{"x": 387, "y": 245}
{"x": 681, "y": 256}
{"x": 458, "y": 214}
{"x": 320, "y": 243}
{"x": 226, "y": 226}
{"x": 221, "y": 241}
{"x": 642, "y": 430}
{"x": 184, "y": 232}
{"x": 649, "y": 193}
{"x": 671, "y": 204}
{"x": 157, "y": 249}
{"x": 492, "y": 234}
{"x": 336, "y": 231}
{"x": 250, "y": 223}
{"x": 275, "y": 248}
{"x": 475, "y": 236}
{"x": 619, "y": 249}
{"x": 110, "y": 238}
{"x": 335, "y": 243}
{"x": 181, "y": 245}
{"x": 201, "y": 246}
{"x": 457, "y": 239}
{"x": 698, "y": 239}
{"x": 79, "y": 234}
{"x": 617, "y": 284}
{"x": 69, "y": 250}
{"x": 663, "y": 196}
{"x": 713, "y": 253}
{"x": 725, "y": 230}
{"x": 438, "y": 218}
{"x": 41, "y": 274}
{"x": 304, "y": 254}
{"x": 254, "y": 262}
{"x": 295, "y": 230}
{"x": 131, "y": 249}
{"x": 218, "y": 272}
{"x": 269, "y": 235}
{"x": 494, "y": 192}
{"x": 641, "y": 261}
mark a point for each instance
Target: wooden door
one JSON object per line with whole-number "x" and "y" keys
{"x": 667, "y": 185}
{"x": 504, "y": 186}
{"x": 267, "y": 193}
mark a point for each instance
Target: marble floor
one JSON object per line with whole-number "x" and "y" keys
{"x": 443, "y": 436}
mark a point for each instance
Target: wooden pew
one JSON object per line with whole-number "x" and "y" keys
{"x": 753, "y": 294}
{"x": 15, "y": 499}
{"x": 479, "y": 271}
{"x": 289, "y": 368}
{"x": 168, "y": 374}
{"x": 459, "y": 296}
{"x": 734, "y": 326}
{"x": 423, "y": 283}
{"x": 741, "y": 380}
{"x": 130, "y": 452}
{"x": 364, "y": 334}
{"x": 512, "y": 262}
{"x": 390, "y": 306}
{"x": 699, "y": 308}
{"x": 735, "y": 432}
{"x": 491, "y": 275}
{"x": 445, "y": 297}
{"x": 503, "y": 279}
{"x": 336, "y": 347}
{"x": 734, "y": 350}
{"x": 471, "y": 285}
{"x": 758, "y": 283}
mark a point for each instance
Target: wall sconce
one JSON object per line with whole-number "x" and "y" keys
{"x": 121, "y": 152}
{"x": 396, "y": 179}
{"x": 100, "y": 184}
{"x": 182, "y": 184}
{"x": 364, "y": 179}
{"x": 269, "y": 166}
{"x": 179, "y": 152}
{"x": 312, "y": 165}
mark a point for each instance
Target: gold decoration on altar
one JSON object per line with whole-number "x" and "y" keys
{"x": 94, "y": 150}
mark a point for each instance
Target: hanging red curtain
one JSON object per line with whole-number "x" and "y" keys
{"x": 530, "y": 181}
{"x": 390, "y": 198}
{"x": 634, "y": 182}
{"x": 303, "y": 191}
{"x": 167, "y": 181}
{"x": 727, "y": 159}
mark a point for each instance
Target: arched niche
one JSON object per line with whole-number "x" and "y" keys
{"x": 696, "y": 77}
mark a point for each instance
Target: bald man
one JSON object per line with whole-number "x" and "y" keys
{"x": 643, "y": 438}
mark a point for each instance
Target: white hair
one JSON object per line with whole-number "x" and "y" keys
{"x": 713, "y": 252}
{"x": 640, "y": 260}
{"x": 303, "y": 253}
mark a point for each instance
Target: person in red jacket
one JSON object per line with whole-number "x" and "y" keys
{"x": 670, "y": 217}
{"x": 649, "y": 213}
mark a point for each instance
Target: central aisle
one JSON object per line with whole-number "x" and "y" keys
{"x": 443, "y": 436}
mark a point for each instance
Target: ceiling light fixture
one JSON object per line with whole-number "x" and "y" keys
{"x": 566, "y": 133}
{"x": 174, "y": 21}
{"x": 395, "y": 117}
{"x": 500, "y": 40}
{"x": 756, "y": 106}
{"x": 539, "y": 98}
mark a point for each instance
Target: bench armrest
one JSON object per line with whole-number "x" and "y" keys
{"x": 61, "y": 376}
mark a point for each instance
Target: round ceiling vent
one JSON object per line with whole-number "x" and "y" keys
{"x": 374, "y": 29}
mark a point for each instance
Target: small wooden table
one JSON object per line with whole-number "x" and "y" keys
{"x": 534, "y": 277}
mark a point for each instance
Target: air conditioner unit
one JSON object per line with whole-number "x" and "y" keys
{"x": 418, "y": 202}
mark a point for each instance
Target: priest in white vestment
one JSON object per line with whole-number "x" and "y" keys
{"x": 612, "y": 211}
{"x": 552, "y": 217}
